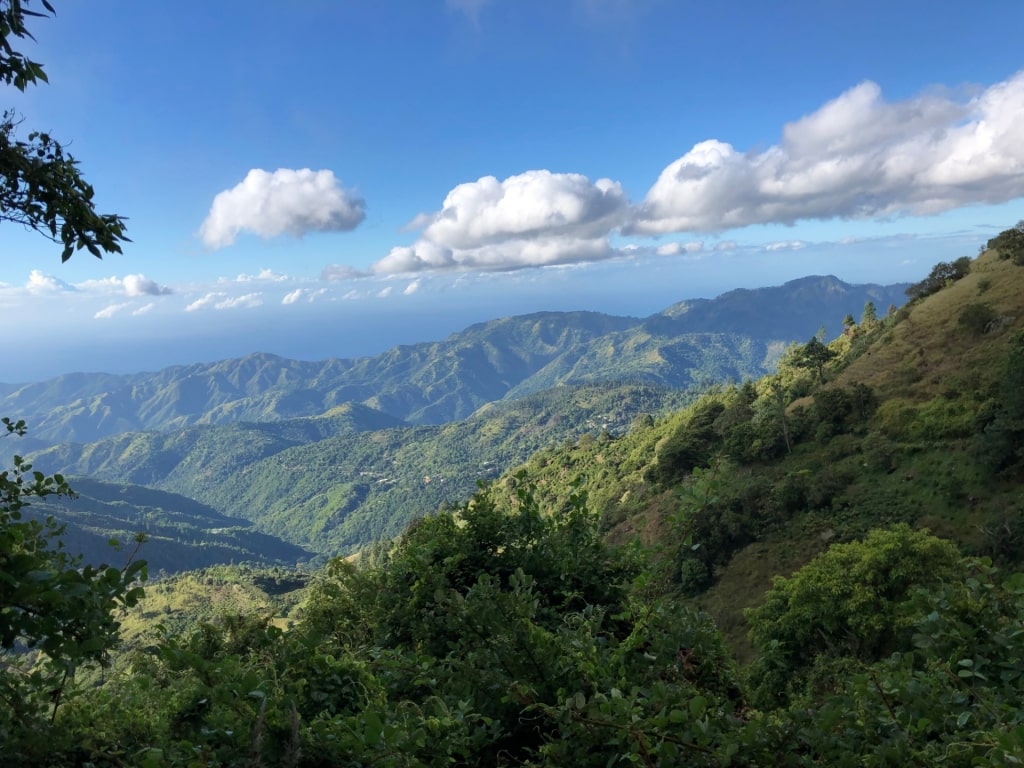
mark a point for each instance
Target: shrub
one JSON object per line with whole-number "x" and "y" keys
{"x": 976, "y": 317}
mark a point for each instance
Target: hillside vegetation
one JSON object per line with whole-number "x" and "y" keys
{"x": 911, "y": 418}
{"x": 812, "y": 568}
{"x": 336, "y": 490}
{"x": 734, "y": 337}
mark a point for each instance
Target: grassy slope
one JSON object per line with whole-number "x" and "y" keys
{"x": 914, "y": 461}
{"x": 932, "y": 482}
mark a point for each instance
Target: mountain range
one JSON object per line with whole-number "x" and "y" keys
{"x": 733, "y": 337}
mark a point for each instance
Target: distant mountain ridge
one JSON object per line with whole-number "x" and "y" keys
{"x": 731, "y": 337}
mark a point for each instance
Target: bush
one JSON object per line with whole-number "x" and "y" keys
{"x": 977, "y": 317}
{"x": 942, "y": 274}
{"x": 849, "y": 602}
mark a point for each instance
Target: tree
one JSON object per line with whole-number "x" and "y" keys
{"x": 847, "y": 603}
{"x": 1010, "y": 244}
{"x": 41, "y": 187}
{"x": 815, "y": 356}
{"x": 942, "y": 274}
{"x": 869, "y": 317}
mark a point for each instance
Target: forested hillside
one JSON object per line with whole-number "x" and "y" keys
{"x": 613, "y": 600}
{"x": 338, "y": 483}
{"x": 910, "y": 418}
{"x": 435, "y": 383}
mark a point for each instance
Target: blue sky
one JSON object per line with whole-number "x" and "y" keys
{"x": 329, "y": 178}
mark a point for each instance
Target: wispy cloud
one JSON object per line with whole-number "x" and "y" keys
{"x": 675, "y": 249}
{"x": 109, "y": 311}
{"x": 471, "y": 8}
{"x": 264, "y": 275}
{"x": 289, "y": 201}
{"x": 299, "y": 294}
{"x": 249, "y": 300}
{"x": 785, "y": 245}
{"x": 333, "y": 272}
{"x": 206, "y": 301}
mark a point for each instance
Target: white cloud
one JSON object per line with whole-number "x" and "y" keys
{"x": 130, "y": 285}
{"x": 308, "y": 294}
{"x": 533, "y": 219}
{"x": 285, "y": 201}
{"x": 674, "y": 249}
{"x": 726, "y": 245}
{"x": 786, "y": 245}
{"x": 350, "y": 295}
{"x": 140, "y": 285}
{"x": 144, "y": 309}
{"x": 109, "y": 311}
{"x": 247, "y": 301}
{"x": 267, "y": 275}
{"x": 422, "y": 255}
{"x": 532, "y": 204}
{"x": 385, "y": 292}
{"x": 333, "y": 272}
{"x": 39, "y": 282}
{"x": 206, "y": 301}
{"x": 411, "y": 288}
{"x": 858, "y": 156}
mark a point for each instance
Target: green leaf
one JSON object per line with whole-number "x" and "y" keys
{"x": 373, "y": 730}
{"x": 698, "y": 706}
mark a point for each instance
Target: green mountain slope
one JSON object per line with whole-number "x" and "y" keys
{"x": 919, "y": 419}
{"x": 341, "y": 492}
{"x": 181, "y": 534}
{"x": 438, "y": 382}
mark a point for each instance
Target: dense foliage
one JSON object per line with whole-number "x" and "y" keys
{"x": 56, "y": 614}
{"x": 502, "y": 633}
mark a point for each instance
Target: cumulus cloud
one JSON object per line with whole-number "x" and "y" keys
{"x": 39, "y": 282}
{"x": 140, "y": 285}
{"x": 333, "y": 272}
{"x": 130, "y": 285}
{"x": 858, "y": 156}
{"x": 385, "y": 292}
{"x": 411, "y": 288}
{"x": 144, "y": 309}
{"x": 286, "y": 201}
{"x": 109, "y": 311}
{"x": 534, "y": 219}
{"x": 675, "y": 249}
{"x": 726, "y": 245}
